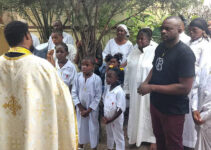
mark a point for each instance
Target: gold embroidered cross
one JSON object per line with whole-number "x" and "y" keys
{"x": 12, "y": 105}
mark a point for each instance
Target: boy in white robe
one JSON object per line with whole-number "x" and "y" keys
{"x": 65, "y": 68}
{"x": 67, "y": 38}
{"x": 57, "y": 39}
{"x": 114, "y": 107}
{"x": 86, "y": 93}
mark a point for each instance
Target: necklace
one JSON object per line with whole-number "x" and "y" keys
{"x": 164, "y": 53}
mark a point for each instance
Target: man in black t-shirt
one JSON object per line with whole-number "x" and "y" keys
{"x": 169, "y": 83}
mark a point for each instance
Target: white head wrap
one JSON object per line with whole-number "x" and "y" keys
{"x": 125, "y": 28}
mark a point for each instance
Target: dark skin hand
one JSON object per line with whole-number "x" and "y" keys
{"x": 153, "y": 146}
{"x": 83, "y": 111}
{"x": 123, "y": 65}
{"x": 197, "y": 118}
{"x": 109, "y": 120}
{"x": 182, "y": 88}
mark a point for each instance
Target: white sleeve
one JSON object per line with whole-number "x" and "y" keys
{"x": 206, "y": 113}
{"x": 50, "y": 44}
{"x": 121, "y": 101}
{"x": 73, "y": 75}
{"x": 72, "y": 52}
{"x": 195, "y": 91}
{"x": 69, "y": 39}
{"x": 98, "y": 93}
{"x": 130, "y": 49}
{"x": 205, "y": 98}
{"x": 75, "y": 91}
{"x": 126, "y": 81}
{"x": 104, "y": 93}
{"x": 106, "y": 50}
{"x": 36, "y": 41}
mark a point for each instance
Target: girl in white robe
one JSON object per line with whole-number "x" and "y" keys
{"x": 86, "y": 94}
{"x": 114, "y": 106}
{"x": 139, "y": 63}
{"x": 200, "y": 45}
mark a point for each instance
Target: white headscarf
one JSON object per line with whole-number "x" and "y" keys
{"x": 125, "y": 28}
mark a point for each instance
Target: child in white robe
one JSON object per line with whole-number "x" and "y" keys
{"x": 65, "y": 68}
{"x": 114, "y": 62}
{"x": 86, "y": 94}
{"x": 114, "y": 106}
{"x": 57, "y": 39}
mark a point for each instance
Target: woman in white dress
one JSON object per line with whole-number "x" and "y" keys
{"x": 119, "y": 44}
{"x": 202, "y": 107}
{"x": 200, "y": 45}
{"x": 139, "y": 63}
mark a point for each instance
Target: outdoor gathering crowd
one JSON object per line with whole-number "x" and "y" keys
{"x": 59, "y": 102}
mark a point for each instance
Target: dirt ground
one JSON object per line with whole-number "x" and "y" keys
{"x": 102, "y": 143}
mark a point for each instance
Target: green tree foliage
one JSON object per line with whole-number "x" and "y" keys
{"x": 148, "y": 19}
{"x": 91, "y": 20}
{"x": 38, "y": 12}
{"x": 154, "y": 15}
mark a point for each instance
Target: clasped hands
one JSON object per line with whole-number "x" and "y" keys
{"x": 197, "y": 118}
{"x": 144, "y": 89}
{"x": 106, "y": 120}
{"x": 84, "y": 112}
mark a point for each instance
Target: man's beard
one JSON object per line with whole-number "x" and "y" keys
{"x": 32, "y": 48}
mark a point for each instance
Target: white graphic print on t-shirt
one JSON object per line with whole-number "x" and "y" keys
{"x": 159, "y": 64}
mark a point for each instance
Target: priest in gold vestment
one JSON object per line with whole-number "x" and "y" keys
{"x": 36, "y": 109}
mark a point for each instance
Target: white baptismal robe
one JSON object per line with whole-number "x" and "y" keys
{"x": 202, "y": 103}
{"x": 112, "y": 48}
{"x": 67, "y": 73}
{"x": 201, "y": 49}
{"x": 202, "y": 53}
{"x": 35, "y": 40}
{"x": 184, "y": 38}
{"x": 88, "y": 92}
{"x": 113, "y": 100}
{"x": 138, "y": 67}
{"x": 36, "y": 109}
{"x": 67, "y": 39}
{"x": 72, "y": 53}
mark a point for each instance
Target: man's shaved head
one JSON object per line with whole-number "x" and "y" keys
{"x": 176, "y": 20}
{"x": 171, "y": 28}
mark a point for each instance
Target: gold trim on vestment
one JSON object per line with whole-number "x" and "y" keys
{"x": 76, "y": 126}
{"x": 22, "y": 50}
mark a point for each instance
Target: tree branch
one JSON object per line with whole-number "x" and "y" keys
{"x": 86, "y": 13}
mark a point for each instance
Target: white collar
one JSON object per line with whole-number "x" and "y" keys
{"x": 67, "y": 65}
